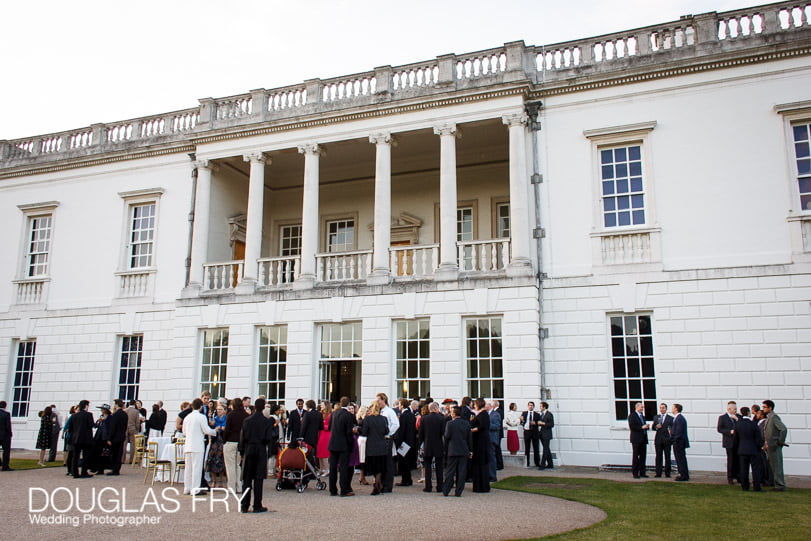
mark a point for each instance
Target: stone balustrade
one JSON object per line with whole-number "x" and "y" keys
{"x": 223, "y": 275}
{"x": 133, "y": 284}
{"x": 414, "y": 261}
{"x": 278, "y": 271}
{"x": 30, "y": 291}
{"x": 544, "y": 69}
{"x": 343, "y": 266}
{"x": 484, "y": 255}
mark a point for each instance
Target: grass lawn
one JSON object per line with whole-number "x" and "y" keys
{"x": 31, "y": 464}
{"x": 661, "y": 510}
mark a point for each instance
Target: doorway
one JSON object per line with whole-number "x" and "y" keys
{"x": 340, "y": 378}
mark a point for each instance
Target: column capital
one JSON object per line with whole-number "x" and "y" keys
{"x": 311, "y": 148}
{"x": 261, "y": 157}
{"x": 448, "y": 129}
{"x": 515, "y": 119}
{"x": 384, "y": 138}
{"x": 206, "y": 164}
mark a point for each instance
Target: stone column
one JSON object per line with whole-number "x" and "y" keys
{"x": 309, "y": 217}
{"x": 381, "y": 273}
{"x": 199, "y": 246}
{"x": 520, "y": 264}
{"x": 448, "y": 259}
{"x": 253, "y": 227}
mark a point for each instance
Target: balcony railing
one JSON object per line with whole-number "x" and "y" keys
{"x": 278, "y": 271}
{"x": 343, "y": 266}
{"x": 133, "y": 283}
{"x": 483, "y": 255}
{"x": 222, "y": 276}
{"x": 31, "y": 291}
{"x": 414, "y": 261}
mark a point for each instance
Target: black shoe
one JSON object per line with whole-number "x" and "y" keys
{"x": 85, "y": 476}
{"x": 243, "y": 510}
{"x": 636, "y": 477}
{"x": 445, "y": 494}
{"x": 347, "y": 494}
{"x": 458, "y": 495}
{"x": 333, "y": 493}
{"x": 643, "y": 475}
{"x": 112, "y": 473}
{"x": 427, "y": 489}
{"x": 683, "y": 479}
{"x": 8, "y": 469}
{"x": 404, "y": 484}
{"x": 658, "y": 475}
{"x": 439, "y": 489}
{"x": 260, "y": 510}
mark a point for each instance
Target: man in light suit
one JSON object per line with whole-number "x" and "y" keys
{"x": 639, "y": 440}
{"x": 750, "y": 441}
{"x": 195, "y": 428}
{"x": 5, "y": 435}
{"x": 680, "y": 442}
{"x": 775, "y": 433}
{"x": 133, "y": 427}
{"x": 661, "y": 441}
{"x": 546, "y": 422}
{"x": 529, "y": 420}
{"x": 727, "y": 424}
{"x": 458, "y": 449}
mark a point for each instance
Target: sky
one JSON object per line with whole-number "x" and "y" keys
{"x": 67, "y": 65}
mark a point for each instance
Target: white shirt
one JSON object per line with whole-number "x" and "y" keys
{"x": 195, "y": 428}
{"x": 394, "y": 422}
{"x": 512, "y": 420}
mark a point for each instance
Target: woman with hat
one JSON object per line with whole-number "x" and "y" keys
{"x": 101, "y": 458}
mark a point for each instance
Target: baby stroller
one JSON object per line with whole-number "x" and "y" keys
{"x": 295, "y": 471}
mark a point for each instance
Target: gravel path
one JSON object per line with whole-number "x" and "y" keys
{"x": 408, "y": 513}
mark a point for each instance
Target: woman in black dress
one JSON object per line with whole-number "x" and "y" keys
{"x": 45, "y": 433}
{"x": 481, "y": 447}
{"x": 375, "y": 427}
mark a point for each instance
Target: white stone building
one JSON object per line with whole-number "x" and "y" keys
{"x": 620, "y": 218}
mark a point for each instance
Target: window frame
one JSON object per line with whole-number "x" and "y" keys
{"x": 31, "y": 212}
{"x": 221, "y": 366}
{"x": 327, "y": 219}
{"x": 651, "y": 403}
{"x": 121, "y": 369}
{"x": 799, "y": 220}
{"x": 132, "y": 199}
{"x": 15, "y": 369}
{"x": 467, "y": 358}
{"x": 473, "y": 203}
{"x": 280, "y": 382}
{"x": 280, "y": 226}
{"x": 422, "y": 380}
{"x": 496, "y": 203}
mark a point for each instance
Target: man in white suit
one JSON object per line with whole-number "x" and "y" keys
{"x": 195, "y": 428}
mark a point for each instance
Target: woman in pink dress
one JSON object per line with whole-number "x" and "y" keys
{"x": 322, "y": 451}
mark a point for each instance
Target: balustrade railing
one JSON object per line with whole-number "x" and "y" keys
{"x": 133, "y": 284}
{"x": 221, "y": 276}
{"x": 335, "y": 90}
{"x": 286, "y": 98}
{"x": 414, "y": 76}
{"x": 414, "y": 261}
{"x": 626, "y": 248}
{"x": 278, "y": 271}
{"x": 30, "y": 291}
{"x": 234, "y": 107}
{"x": 343, "y": 266}
{"x": 483, "y": 255}
{"x": 483, "y": 64}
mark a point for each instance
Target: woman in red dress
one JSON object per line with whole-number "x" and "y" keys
{"x": 512, "y": 420}
{"x": 322, "y": 450}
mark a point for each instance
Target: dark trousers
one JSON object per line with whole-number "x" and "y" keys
{"x": 404, "y": 466}
{"x": 680, "y": 453}
{"x": 499, "y": 457}
{"x": 388, "y": 476}
{"x": 435, "y": 461}
{"x": 662, "y": 458}
{"x": 339, "y": 463}
{"x": 532, "y": 438}
{"x": 6, "y": 445}
{"x": 743, "y": 474}
{"x": 81, "y": 458}
{"x": 254, "y": 472}
{"x": 491, "y": 459}
{"x": 546, "y": 458}
{"x": 54, "y": 444}
{"x": 116, "y": 453}
{"x": 733, "y": 465}
{"x": 638, "y": 460}
{"x": 455, "y": 474}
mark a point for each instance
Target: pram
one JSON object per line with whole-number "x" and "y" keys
{"x": 295, "y": 471}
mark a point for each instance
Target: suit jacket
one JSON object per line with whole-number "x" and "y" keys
{"x": 725, "y": 426}
{"x": 750, "y": 440}
{"x": 81, "y": 428}
{"x": 775, "y": 431}
{"x": 294, "y": 421}
{"x": 662, "y": 436}
{"x": 5, "y": 425}
{"x": 117, "y": 426}
{"x": 257, "y": 433}
{"x": 408, "y": 428}
{"x": 431, "y": 430}
{"x": 195, "y": 428}
{"x": 311, "y": 425}
{"x": 638, "y": 434}
{"x": 679, "y": 431}
{"x": 375, "y": 428}
{"x": 458, "y": 437}
{"x": 495, "y": 426}
{"x": 546, "y": 430}
{"x": 133, "y": 419}
{"x": 501, "y": 429}
{"x": 341, "y": 423}
{"x": 533, "y": 424}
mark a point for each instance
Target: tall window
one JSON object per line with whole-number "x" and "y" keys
{"x": 215, "y": 362}
{"x": 23, "y": 378}
{"x": 502, "y": 220}
{"x": 622, "y": 189}
{"x": 340, "y": 235}
{"x": 129, "y": 373}
{"x": 802, "y": 152}
{"x": 464, "y": 224}
{"x": 413, "y": 358}
{"x": 290, "y": 240}
{"x": 142, "y": 234}
{"x": 341, "y": 353}
{"x": 485, "y": 376}
{"x": 632, "y": 356}
{"x": 39, "y": 246}
{"x": 272, "y": 362}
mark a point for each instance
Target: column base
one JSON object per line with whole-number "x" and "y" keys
{"x": 191, "y": 291}
{"x": 379, "y": 278}
{"x": 448, "y": 273}
{"x": 305, "y": 281}
{"x": 247, "y": 286}
{"x": 519, "y": 268}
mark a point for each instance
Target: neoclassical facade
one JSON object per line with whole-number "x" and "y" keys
{"x": 593, "y": 223}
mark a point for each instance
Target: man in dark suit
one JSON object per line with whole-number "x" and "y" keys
{"x": 432, "y": 427}
{"x": 5, "y": 435}
{"x": 118, "y": 435}
{"x": 311, "y": 424}
{"x": 495, "y": 427}
{"x": 407, "y": 435}
{"x": 749, "y": 443}
{"x": 774, "y": 436}
{"x": 294, "y": 421}
{"x": 681, "y": 442}
{"x": 726, "y": 427}
{"x": 341, "y": 443}
{"x": 661, "y": 441}
{"x": 81, "y": 433}
{"x": 639, "y": 440}
{"x": 458, "y": 449}
{"x": 529, "y": 420}
{"x": 499, "y": 456}
{"x": 546, "y": 422}
{"x": 257, "y": 431}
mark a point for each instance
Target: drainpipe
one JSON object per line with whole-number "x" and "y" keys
{"x": 192, "y": 157}
{"x": 533, "y": 110}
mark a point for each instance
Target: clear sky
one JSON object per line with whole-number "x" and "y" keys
{"x": 66, "y": 65}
